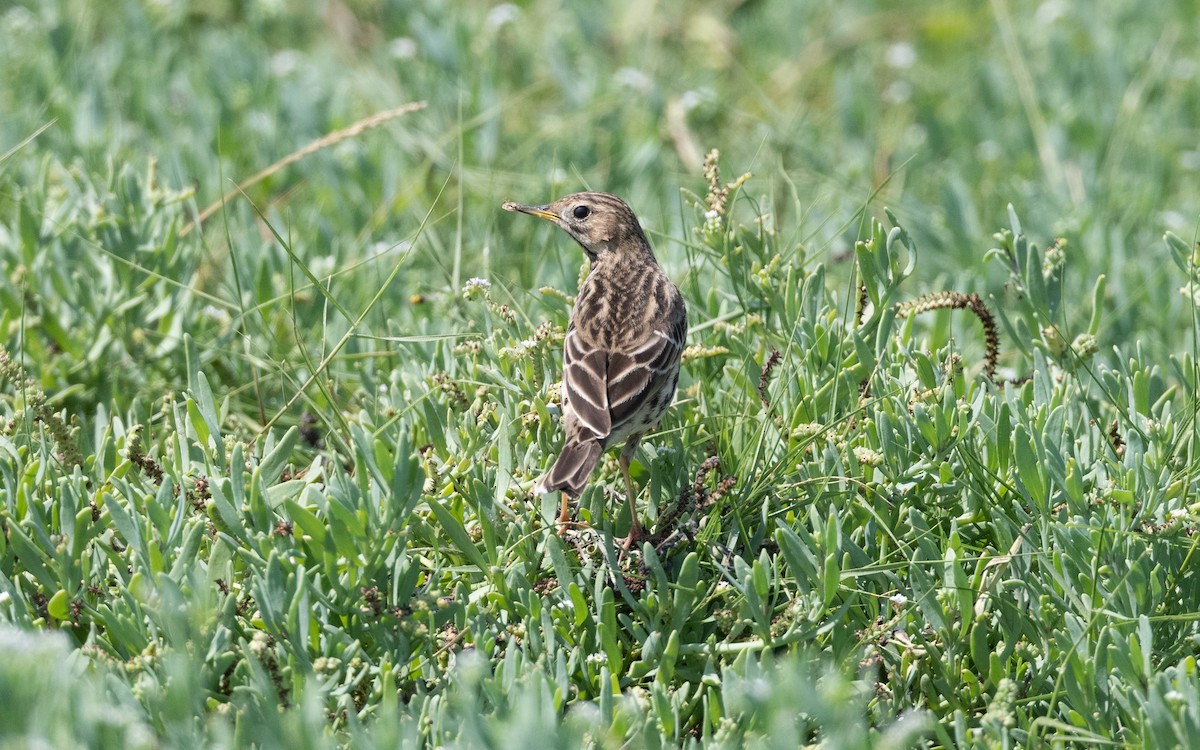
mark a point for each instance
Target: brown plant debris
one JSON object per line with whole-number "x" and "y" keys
{"x": 765, "y": 376}
{"x": 337, "y": 136}
{"x": 133, "y": 449}
{"x": 958, "y": 301}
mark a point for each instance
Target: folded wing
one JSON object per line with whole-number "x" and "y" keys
{"x": 608, "y": 388}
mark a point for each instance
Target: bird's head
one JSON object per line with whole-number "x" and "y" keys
{"x": 599, "y": 222}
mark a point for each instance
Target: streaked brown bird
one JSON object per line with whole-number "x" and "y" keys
{"x": 621, "y": 355}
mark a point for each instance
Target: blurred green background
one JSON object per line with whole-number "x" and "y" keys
{"x": 1083, "y": 117}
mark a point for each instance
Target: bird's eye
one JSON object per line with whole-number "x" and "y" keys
{"x": 582, "y": 212}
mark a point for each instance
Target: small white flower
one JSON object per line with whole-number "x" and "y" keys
{"x": 898, "y": 599}
{"x": 402, "y": 48}
{"x": 915, "y": 135}
{"x": 519, "y": 349}
{"x": 260, "y": 121}
{"x": 215, "y": 314}
{"x": 1174, "y": 220}
{"x": 323, "y": 266}
{"x": 476, "y": 287}
{"x": 260, "y": 643}
{"x": 502, "y": 14}
{"x": 635, "y": 79}
{"x": 285, "y": 62}
{"x": 1049, "y": 12}
{"x": 1191, "y": 290}
{"x": 901, "y": 55}
{"x": 713, "y": 224}
{"x": 897, "y": 92}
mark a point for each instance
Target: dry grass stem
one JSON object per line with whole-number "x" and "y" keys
{"x": 337, "y": 136}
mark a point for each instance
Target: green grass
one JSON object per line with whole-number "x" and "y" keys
{"x": 266, "y": 478}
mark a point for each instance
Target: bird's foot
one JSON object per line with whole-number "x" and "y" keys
{"x": 636, "y": 536}
{"x": 566, "y": 524}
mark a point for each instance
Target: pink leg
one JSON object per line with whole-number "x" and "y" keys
{"x": 635, "y": 527}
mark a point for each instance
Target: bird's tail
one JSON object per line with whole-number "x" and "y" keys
{"x": 570, "y": 473}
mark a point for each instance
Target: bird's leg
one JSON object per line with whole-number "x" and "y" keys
{"x": 635, "y": 527}
{"x": 564, "y": 518}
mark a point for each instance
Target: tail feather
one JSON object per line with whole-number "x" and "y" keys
{"x": 570, "y": 473}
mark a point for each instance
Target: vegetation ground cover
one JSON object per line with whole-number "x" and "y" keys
{"x": 931, "y": 478}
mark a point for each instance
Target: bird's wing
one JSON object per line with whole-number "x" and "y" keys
{"x": 585, "y": 384}
{"x": 643, "y": 370}
{"x": 606, "y": 388}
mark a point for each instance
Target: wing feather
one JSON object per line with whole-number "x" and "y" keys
{"x": 584, "y": 385}
{"x": 607, "y": 388}
{"x": 647, "y": 368}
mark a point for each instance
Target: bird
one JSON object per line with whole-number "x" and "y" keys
{"x": 622, "y": 351}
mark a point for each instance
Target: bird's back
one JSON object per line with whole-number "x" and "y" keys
{"x": 633, "y": 321}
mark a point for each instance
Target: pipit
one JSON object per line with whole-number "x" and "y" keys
{"x": 621, "y": 355}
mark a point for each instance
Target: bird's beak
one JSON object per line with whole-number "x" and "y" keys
{"x": 539, "y": 211}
